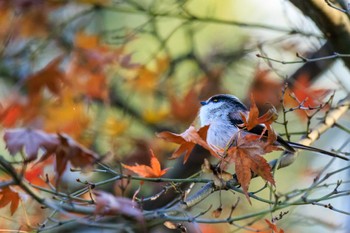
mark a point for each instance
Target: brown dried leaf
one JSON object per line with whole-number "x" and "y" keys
{"x": 187, "y": 141}
{"x": 247, "y": 156}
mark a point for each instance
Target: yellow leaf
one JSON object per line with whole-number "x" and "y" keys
{"x": 155, "y": 115}
{"x": 66, "y": 115}
{"x": 115, "y": 127}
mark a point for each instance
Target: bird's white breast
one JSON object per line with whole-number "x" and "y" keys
{"x": 220, "y": 133}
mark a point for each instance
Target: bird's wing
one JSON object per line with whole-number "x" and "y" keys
{"x": 289, "y": 146}
{"x": 236, "y": 120}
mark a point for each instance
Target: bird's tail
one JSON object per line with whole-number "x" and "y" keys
{"x": 310, "y": 148}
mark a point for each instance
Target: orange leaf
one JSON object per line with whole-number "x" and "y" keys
{"x": 252, "y": 120}
{"x": 33, "y": 175}
{"x": 9, "y": 196}
{"x": 267, "y": 119}
{"x": 152, "y": 171}
{"x": 187, "y": 141}
{"x": 10, "y": 115}
{"x": 247, "y": 156}
{"x": 273, "y": 227}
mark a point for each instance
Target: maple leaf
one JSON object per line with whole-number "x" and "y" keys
{"x": 33, "y": 174}
{"x": 61, "y": 146}
{"x": 108, "y": 204}
{"x": 247, "y": 157}
{"x": 9, "y": 196}
{"x": 152, "y": 171}
{"x": 187, "y": 141}
{"x": 68, "y": 150}
{"x": 253, "y": 118}
{"x": 29, "y": 141}
{"x": 50, "y": 77}
{"x": 273, "y": 227}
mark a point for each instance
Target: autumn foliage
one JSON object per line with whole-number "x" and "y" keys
{"x": 99, "y": 122}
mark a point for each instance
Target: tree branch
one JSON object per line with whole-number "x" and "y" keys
{"x": 333, "y": 23}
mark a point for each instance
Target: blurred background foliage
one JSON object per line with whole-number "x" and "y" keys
{"x": 111, "y": 74}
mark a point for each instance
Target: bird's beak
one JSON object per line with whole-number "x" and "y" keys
{"x": 203, "y": 103}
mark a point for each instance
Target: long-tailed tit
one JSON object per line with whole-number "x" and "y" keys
{"x": 222, "y": 113}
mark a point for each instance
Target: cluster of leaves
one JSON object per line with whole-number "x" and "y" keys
{"x": 53, "y": 113}
{"x": 245, "y": 150}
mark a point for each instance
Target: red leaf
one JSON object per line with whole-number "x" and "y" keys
{"x": 10, "y": 115}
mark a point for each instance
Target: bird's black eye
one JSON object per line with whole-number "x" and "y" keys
{"x": 215, "y": 100}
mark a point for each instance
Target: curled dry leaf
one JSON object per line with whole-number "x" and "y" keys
{"x": 253, "y": 118}
{"x": 61, "y": 146}
{"x": 187, "y": 141}
{"x": 152, "y": 171}
{"x": 108, "y": 204}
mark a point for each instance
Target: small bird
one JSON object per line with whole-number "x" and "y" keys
{"x": 223, "y": 113}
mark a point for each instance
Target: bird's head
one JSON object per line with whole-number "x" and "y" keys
{"x": 218, "y": 107}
